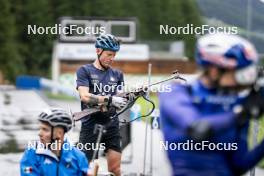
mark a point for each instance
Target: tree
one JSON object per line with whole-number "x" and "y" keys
{"x": 33, "y": 52}
{"x": 191, "y": 16}
{"x": 37, "y": 48}
{"x": 11, "y": 63}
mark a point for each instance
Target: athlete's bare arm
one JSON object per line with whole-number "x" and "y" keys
{"x": 90, "y": 98}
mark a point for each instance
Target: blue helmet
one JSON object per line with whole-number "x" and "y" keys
{"x": 107, "y": 42}
{"x": 225, "y": 51}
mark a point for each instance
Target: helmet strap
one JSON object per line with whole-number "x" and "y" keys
{"x": 53, "y": 141}
{"x": 99, "y": 56}
{"x": 51, "y": 138}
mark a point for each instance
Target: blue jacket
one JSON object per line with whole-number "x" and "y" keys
{"x": 181, "y": 107}
{"x": 38, "y": 161}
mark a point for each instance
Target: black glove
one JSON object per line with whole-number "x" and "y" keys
{"x": 200, "y": 130}
{"x": 252, "y": 107}
{"x": 254, "y": 104}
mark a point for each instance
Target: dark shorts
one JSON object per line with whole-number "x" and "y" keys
{"x": 111, "y": 139}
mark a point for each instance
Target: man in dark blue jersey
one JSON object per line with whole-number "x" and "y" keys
{"x": 98, "y": 84}
{"x": 211, "y": 116}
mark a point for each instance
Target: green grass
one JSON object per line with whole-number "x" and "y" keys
{"x": 146, "y": 106}
{"x": 260, "y": 136}
{"x": 59, "y": 96}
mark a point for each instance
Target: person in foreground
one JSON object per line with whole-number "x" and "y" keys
{"x": 211, "y": 115}
{"x": 53, "y": 155}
